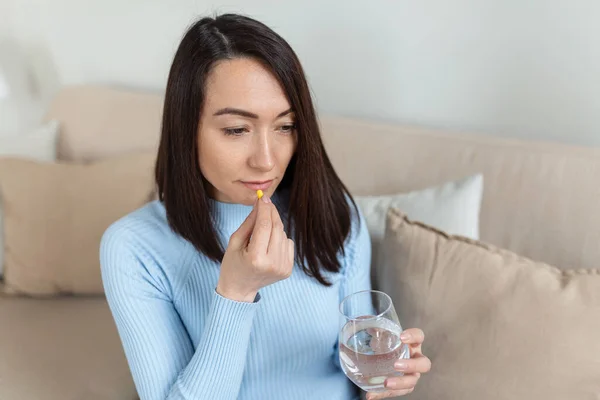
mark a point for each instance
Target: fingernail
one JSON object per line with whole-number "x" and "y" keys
{"x": 390, "y": 384}
{"x": 405, "y": 336}
{"x": 266, "y": 199}
{"x": 400, "y": 365}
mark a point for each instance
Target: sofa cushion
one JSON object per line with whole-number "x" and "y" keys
{"x": 37, "y": 145}
{"x": 497, "y": 326}
{"x": 55, "y": 215}
{"x": 63, "y": 348}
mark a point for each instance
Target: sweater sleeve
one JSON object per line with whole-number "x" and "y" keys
{"x": 159, "y": 351}
{"x": 356, "y": 272}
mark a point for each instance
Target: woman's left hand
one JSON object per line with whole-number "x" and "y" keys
{"x": 412, "y": 368}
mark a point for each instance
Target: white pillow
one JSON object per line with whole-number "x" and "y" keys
{"x": 39, "y": 145}
{"x": 452, "y": 207}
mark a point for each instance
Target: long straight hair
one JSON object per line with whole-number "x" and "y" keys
{"x": 319, "y": 203}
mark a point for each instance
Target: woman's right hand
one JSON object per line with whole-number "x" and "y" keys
{"x": 259, "y": 254}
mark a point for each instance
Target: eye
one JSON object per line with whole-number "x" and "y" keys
{"x": 235, "y": 131}
{"x": 288, "y": 128}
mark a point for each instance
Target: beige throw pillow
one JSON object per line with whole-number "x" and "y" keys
{"x": 497, "y": 326}
{"x": 55, "y": 215}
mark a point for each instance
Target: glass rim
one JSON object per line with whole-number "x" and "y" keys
{"x": 367, "y": 318}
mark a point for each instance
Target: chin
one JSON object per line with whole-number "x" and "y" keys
{"x": 246, "y": 198}
{"x": 249, "y": 201}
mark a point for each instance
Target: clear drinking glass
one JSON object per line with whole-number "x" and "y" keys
{"x": 369, "y": 339}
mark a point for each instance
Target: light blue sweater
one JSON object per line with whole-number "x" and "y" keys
{"x": 182, "y": 340}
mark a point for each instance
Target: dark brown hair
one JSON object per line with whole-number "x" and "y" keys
{"x": 318, "y": 210}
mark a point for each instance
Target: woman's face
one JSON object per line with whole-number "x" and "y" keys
{"x": 246, "y": 135}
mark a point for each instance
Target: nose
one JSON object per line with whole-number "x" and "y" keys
{"x": 262, "y": 152}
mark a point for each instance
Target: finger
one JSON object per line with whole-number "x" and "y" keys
{"x": 275, "y": 244}
{"x": 413, "y": 336}
{"x": 261, "y": 234}
{"x": 284, "y": 251}
{"x": 277, "y": 234}
{"x": 276, "y": 217}
{"x": 291, "y": 251}
{"x": 387, "y": 394}
{"x": 239, "y": 239}
{"x": 287, "y": 259}
{"x": 401, "y": 382}
{"x": 418, "y": 364}
{"x": 414, "y": 339}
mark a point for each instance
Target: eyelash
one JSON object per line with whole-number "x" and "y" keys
{"x": 234, "y": 131}
{"x": 240, "y": 131}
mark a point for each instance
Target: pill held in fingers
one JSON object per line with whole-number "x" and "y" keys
{"x": 259, "y": 193}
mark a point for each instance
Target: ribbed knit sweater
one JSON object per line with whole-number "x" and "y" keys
{"x": 183, "y": 340}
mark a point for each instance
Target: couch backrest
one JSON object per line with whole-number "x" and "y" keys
{"x": 541, "y": 199}
{"x": 100, "y": 122}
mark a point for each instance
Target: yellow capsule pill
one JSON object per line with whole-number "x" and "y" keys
{"x": 259, "y": 193}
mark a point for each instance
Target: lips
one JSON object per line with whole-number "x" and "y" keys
{"x": 258, "y": 185}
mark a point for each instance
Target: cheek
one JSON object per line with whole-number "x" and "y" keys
{"x": 286, "y": 150}
{"x": 218, "y": 159}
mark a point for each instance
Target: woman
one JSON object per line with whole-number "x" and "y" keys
{"x": 217, "y": 294}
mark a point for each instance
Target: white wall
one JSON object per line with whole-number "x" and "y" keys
{"x": 517, "y": 68}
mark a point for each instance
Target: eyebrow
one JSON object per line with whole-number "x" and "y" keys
{"x": 247, "y": 114}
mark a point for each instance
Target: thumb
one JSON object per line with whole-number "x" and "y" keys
{"x": 239, "y": 239}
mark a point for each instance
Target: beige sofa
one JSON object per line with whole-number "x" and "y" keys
{"x": 540, "y": 200}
